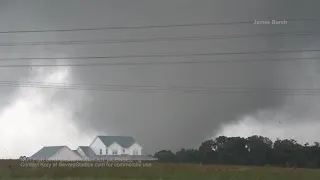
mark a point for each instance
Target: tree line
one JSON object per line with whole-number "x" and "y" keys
{"x": 254, "y": 150}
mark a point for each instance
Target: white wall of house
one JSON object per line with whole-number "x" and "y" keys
{"x": 125, "y": 151}
{"x": 66, "y": 154}
{"x": 115, "y": 147}
{"x": 135, "y": 149}
{"x": 98, "y": 145}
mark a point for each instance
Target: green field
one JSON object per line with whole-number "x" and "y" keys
{"x": 10, "y": 169}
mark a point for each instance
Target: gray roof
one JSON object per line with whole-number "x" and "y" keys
{"x": 76, "y": 152}
{"x": 47, "y": 152}
{"x": 88, "y": 151}
{"x": 124, "y": 141}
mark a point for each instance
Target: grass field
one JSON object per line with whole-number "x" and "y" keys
{"x": 12, "y": 169}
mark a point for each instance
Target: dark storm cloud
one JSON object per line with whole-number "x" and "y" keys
{"x": 170, "y": 120}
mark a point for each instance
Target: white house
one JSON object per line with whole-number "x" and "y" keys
{"x": 102, "y": 147}
{"x": 56, "y": 153}
{"x": 115, "y": 145}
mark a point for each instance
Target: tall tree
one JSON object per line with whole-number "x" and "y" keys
{"x": 189, "y": 156}
{"x": 259, "y": 149}
{"x": 206, "y": 152}
{"x": 254, "y": 150}
{"x": 165, "y": 156}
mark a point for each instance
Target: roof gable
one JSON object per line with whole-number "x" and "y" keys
{"x": 47, "y": 152}
{"x": 88, "y": 151}
{"x": 76, "y": 152}
{"x": 124, "y": 141}
{"x": 136, "y": 144}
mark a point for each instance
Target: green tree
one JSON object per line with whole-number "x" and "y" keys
{"x": 206, "y": 152}
{"x": 165, "y": 156}
{"x": 254, "y": 150}
{"x": 189, "y": 156}
{"x": 259, "y": 149}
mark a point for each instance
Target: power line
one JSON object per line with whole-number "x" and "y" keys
{"x": 187, "y": 38}
{"x": 146, "y": 27}
{"x": 163, "y": 55}
{"x": 156, "y": 63}
{"x": 171, "y": 87}
{"x": 133, "y": 88}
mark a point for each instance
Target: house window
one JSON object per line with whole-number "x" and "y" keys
{"x": 100, "y": 151}
{"x": 107, "y": 151}
{"x": 135, "y": 152}
{"x": 114, "y": 152}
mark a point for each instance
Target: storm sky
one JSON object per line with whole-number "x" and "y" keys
{"x": 31, "y": 117}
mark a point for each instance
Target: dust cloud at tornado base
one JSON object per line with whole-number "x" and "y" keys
{"x": 36, "y": 117}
